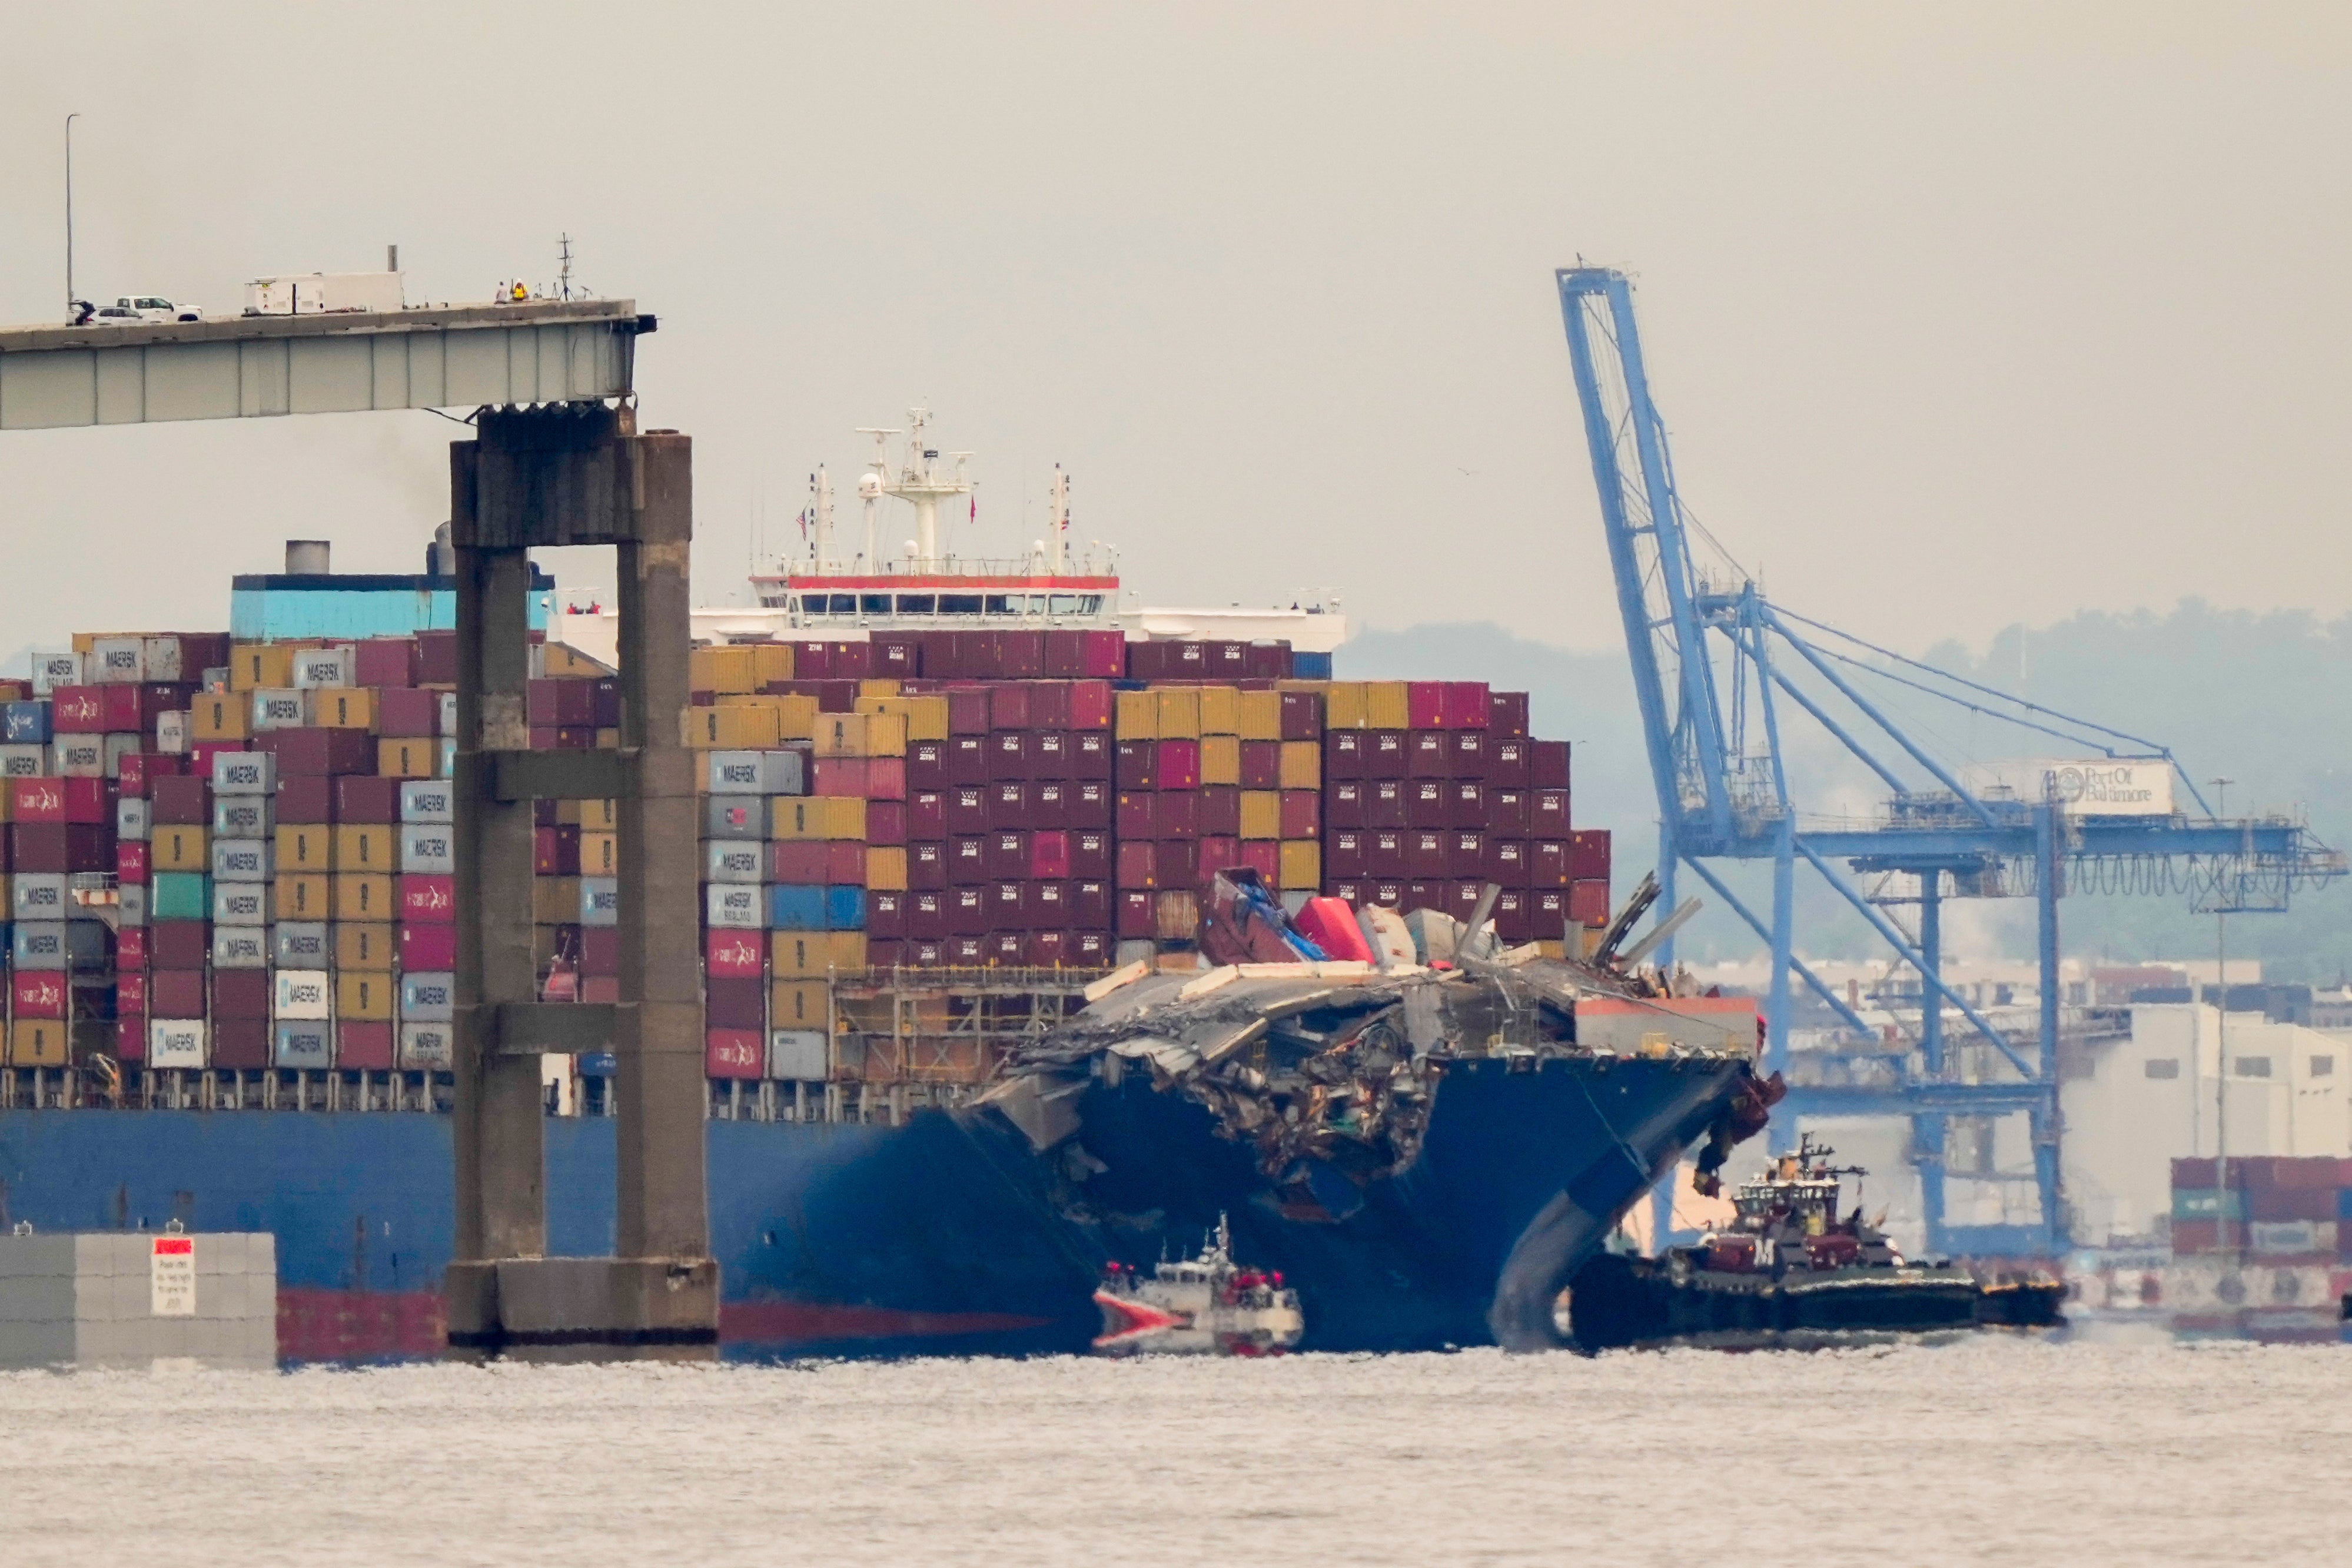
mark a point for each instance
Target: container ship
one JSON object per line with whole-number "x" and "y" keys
{"x": 944, "y": 798}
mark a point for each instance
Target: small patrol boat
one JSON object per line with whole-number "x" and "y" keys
{"x": 1207, "y": 1305}
{"x": 1790, "y": 1272}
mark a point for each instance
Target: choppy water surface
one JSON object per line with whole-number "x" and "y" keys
{"x": 1993, "y": 1451}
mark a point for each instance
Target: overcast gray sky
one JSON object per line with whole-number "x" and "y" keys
{"x": 1959, "y": 314}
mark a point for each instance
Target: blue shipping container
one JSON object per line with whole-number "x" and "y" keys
{"x": 2342, "y": 1207}
{"x": 845, "y": 909}
{"x": 1309, "y": 666}
{"x": 795, "y": 906}
{"x": 598, "y": 1064}
{"x": 25, "y": 724}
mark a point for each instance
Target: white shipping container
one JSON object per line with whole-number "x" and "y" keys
{"x": 2083, "y": 786}
{"x": 736, "y": 906}
{"x": 130, "y": 817}
{"x": 243, "y": 816}
{"x": 428, "y": 996}
{"x": 323, "y": 667}
{"x": 131, "y": 904}
{"x": 600, "y": 900}
{"x": 449, "y": 716}
{"x": 430, "y": 850}
{"x": 734, "y": 816}
{"x": 280, "y": 709}
{"x": 171, "y": 732}
{"x": 118, "y": 659}
{"x": 756, "y": 773}
{"x": 24, "y": 761}
{"x": 428, "y": 800}
{"x": 175, "y": 1042}
{"x": 300, "y": 944}
{"x": 80, "y": 756}
{"x": 51, "y": 670}
{"x": 241, "y": 860}
{"x": 428, "y": 1047}
{"x": 240, "y": 947}
{"x": 303, "y": 1044}
{"x": 240, "y": 904}
{"x": 302, "y": 994}
{"x": 244, "y": 772}
{"x": 307, "y": 293}
{"x": 734, "y": 860}
{"x": 797, "y": 1054}
{"x": 162, "y": 659}
{"x": 38, "y": 944}
{"x": 39, "y": 895}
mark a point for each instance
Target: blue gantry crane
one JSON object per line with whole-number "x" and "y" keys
{"x": 1723, "y": 675}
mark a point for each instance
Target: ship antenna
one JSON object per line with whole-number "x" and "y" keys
{"x": 563, "y": 277}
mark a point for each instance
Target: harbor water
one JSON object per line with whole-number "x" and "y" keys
{"x": 1994, "y": 1450}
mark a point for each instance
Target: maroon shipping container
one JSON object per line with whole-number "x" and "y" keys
{"x": 1137, "y": 814}
{"x": 1506, "y": 811}
{"x": 1506, "y": 862}
{"x": 1007, "y": 852}
{"x": 407, "y": 712}
{"x": 131, "y": 948}
{"x": 1514, "y": 919}
{"x": 1466, "y": 754}
{"x": 1384, "y": 753}
{"x": 1137, "y": 764}
{"x": 927, "y": 864}
{"x": 1547, "y": 913}
{"x": 1175, "y": 814}
{"x": 1548, "y": 814}
{"x": 968, "y": 760}
{"x": 845, "y": 863}
{"x": 1008, "y": 906}
{"x": 927, "y": 765}
{"x": 1588, "y": 903}
{"x": 967, "y": 809}
{"x": 1262, "y": 764}
{"x": 1506, "y": 714}
{"x": 886, "y": 920}
{"x": 1178, "y": 766}
{"x": 1049, "y": 854}
{"x": 1343, "y": 802}
{"x": 1343, "y": 853}
{"x": 241, "y": 1042}
{"x": 383, "y": 662}
{"x": 1008, "y": 755}
{"x": 1021, "y": 655}
{"x": 558, "y": 702}
{"x": 1345, "y": 754}
{"x": 1046, "y": 949}
{"x": 1465, "y": 804}
{"x": 61, "y": 847}
{"x": 1548, "y": 863}
{"x": 968, "y": 861}
{"x": 1428, "y": 755}
{"x": 1465, "y": 705}
{"x": 555, "y": 852}
{"x": 898, "y": 657}
{"x": 886, "y": 820}
{"x": 179, "y": 944}
{"x": 142, "y": 768}
{"x": 309, "y": 800}
{"x": 968, "y": 709}
{"x": 1049, "y": 803}
{"x": 436, "y": 658}
{"x": 1215, "y": 853}
{"x": 733, "y": 1003}
{"x": 599, "y": 950}
{"x": 1090, "y": 949}
{"x": 1090, "y": 754}
{"x": 1049, "y": 754}
{"x": 363, "y": 1046}
{"x": 1008, "y": 705}
{"x": 1008, "y": 804}
{"x": 1466, "y": 855}
{"x": 850, "y": 661}
{"x": 838, "y": 776}
{"x": 1384, "y": 851}
{"x": 1262, "y": 855}
{"x": 968, "y": 910}
{"x": 1385, "y": 804}
{"x": 1302, "y": 715}
{"x": 798, "y": 861}
{"x": 1088, "y": 804}
{"x": 1136, "y": 918}
{"x": 1424, "y": 853}
{"x": 1428, "y": 803}
{"x": 1301, "y": 812}
{"x": 319, "y": 752}
{"x": 927, "y": 815}
{"x": 1506, "y": 760}
{"x": 1138, "y": 864}
{"x": 926, "y": 912}
{"x": 1588, "y": 855}
{"x": 175, "y": 993}
{"x": 1091, "y": 852}
{"x": 1091, "y": 904}
{"x": 1547, "y": 764}
{"x": 1462, "y": 898}
{"x": 239, "y": 994}
{"x": 364, "y": 799}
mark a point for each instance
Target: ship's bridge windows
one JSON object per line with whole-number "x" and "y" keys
{"x": 1004, "y": 603}
{"x": 959, "y": 603}
{"x": 1063, "y": 605}
{"x": 1036, "y": 604}
{"x": 874, "y": 604}
{"x": 1090, "y": 604}
{"x": 917, "y": 604}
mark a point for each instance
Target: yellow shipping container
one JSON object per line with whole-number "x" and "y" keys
{"x": 809, "y": 954}
{"x": 218, "y": 716}
{"x": 1302, "y": 764}
{"x": 881, "y": 686}
{"x": 885, "y": 869}
{"x": 1139, "y": 716}
{"x": 260, "y": 667}
{"x": 1301, "y": 866}
{"x": 1261, "y": 716}
{"x": 600, "y": 815}
{"x": 343, "y": 707}
{"x": 555, "y": 901}
{"x": 861, "y": 736}
{"x": 816, "y": 816}
{"x": 567, "y": 813}
{"x": 608, "y": 739}
{"x": 304, "y": 896}
{"x": 364, "y": 847}
{"x": 774, "y": 661}
{"x": 364, "y": 995}
{"x": 565, "y": 663}
{"x": 731, "y": 668}
{"x": 174, "y": 847}
{"x": 364, "y": 944}
{"x": 365, "y": 896}
{"x": 1261, "y": 814}
{"x": 1385, "y": 707}
{"x": 599, "y": 854}
{"x": 414, "y": 758}
{"x": 307, "y": 847}
{"x": 1220, "y": 710}
{"x": 796, "y": 717}
{"x": 1220, "y": 760}
{"x": 1180, "y": 712}
{"x": 1344, "y": 706}
{"x": 732, "y": 729}
{"x": 37, "y": 1043}
{"x": 797, "y": 1005}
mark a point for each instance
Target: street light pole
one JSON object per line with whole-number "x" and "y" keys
{"x": 2221, "y": 1043}
{"x": 70, "y": 287}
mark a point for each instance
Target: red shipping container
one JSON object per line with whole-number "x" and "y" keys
{"x": 1425, "y": 704}
{"x": 735, "y": 1054}
{"x": 1588, "y": 855}
{"x": 363, "y": 1046}
{"x": 362, "y": 799}
{"x": 558, "y": 702}
{"x": 1218, "y": 852}
{"x": 733, "y": 954}
{"x": 812, "y": 660}
{"x": 1106, "y": 655}
{"x": 1464, "y": 705}
{"x": 38, "y": 992}
{"x": 1065, "y": 655}
{"x": 1548, "y": 814}
{"x": 37, "y": 799}
{"x": 735, "y": 1002}
{"x": 1588, "y": 903}
{"x": 555, "y": 852}
{"x": 240, "y": 993}
{"x": 241, "y": 1042}
{"x": 131, "y": 948}
{"x": 927, "y": 815}
{"x": 886, "y": 778}
{"x": 428, "y": 901}
{"x": 1135, "y": 916}
{"x": 142, "y": 768}
{"x": 1262, "y": 855}
{"x": 179, "y": 944}
{"x": 315, "y": 752}
{"x": 1301, "y": 812}
{"x": 131, "y": 862}
{"x": 1088, "y": 804}
{"x": 78, "y": 710}
{"x": 130, "y": 991}
{"x": 1331, "y": 925}
{"x": 1219, "y": 811}
{"x": 1547, "y": 764}
{"x": 885, "y": 917}
{"x": 1137, "y": 814}
{"x": 1506, "y": 714}
{"x": 968, "y": 709}
{"x": 1176, "y": 814}
{"x": 838, "y": 776}
{"x": 1177, "y": 766}
{"x": 428, "y": 947}
{"x": 1008, "y": 705}
{"x": 1088, "y": 705}
{"x": 798, "y": 861}
{"x": 1137, "y": 866}
{"x": 885, "y": 822}
{"x": 1049, "y": 853}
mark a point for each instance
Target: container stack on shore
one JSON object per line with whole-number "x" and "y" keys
{"x": 239, "y": 857}
{"x": 2262, "y": 1247}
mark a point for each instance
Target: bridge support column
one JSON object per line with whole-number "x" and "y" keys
{"x": 564, "y": 475}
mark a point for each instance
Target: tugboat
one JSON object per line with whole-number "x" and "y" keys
{"x": 1207, "y": 1305}
{"x": 1788, "y": 1272}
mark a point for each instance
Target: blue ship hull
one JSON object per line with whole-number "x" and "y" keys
{"x": 946, "y": 1235}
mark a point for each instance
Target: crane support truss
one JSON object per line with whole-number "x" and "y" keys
{"x": 1692, "y": 643}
